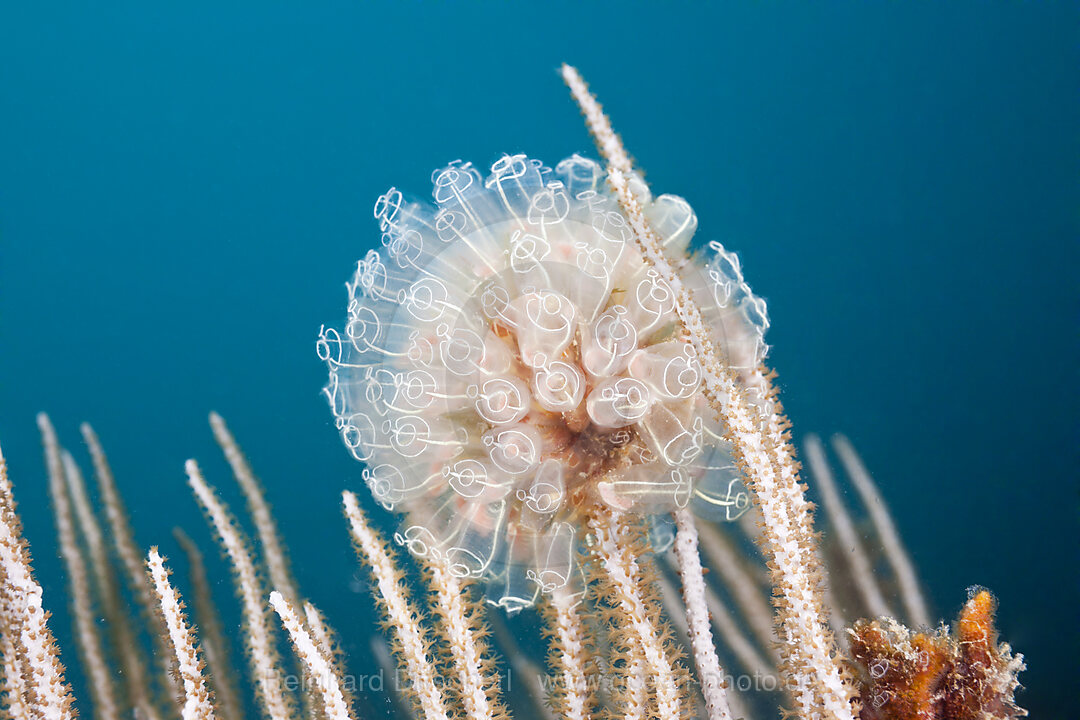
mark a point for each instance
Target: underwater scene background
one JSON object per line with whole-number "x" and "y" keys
{"x": 184, "y": 192}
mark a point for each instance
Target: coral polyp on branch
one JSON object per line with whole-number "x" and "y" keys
{"x": 510, "y": 359}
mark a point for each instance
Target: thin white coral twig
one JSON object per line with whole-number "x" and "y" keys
{"x": 273, "y": 550}
{"x": 198, "y": 702}
{"x": 263, "y": 655}
{"x": 861, "y": 570}
{"x": 570, "y": 655}
{"x": 710, "y": 673}
{"x": 412, "y": 642}
{"x": 621, "y": 572}
{"x": 910, "y": 594}
{"x": 316, "y": 661}
{"x": 760, "y": 446}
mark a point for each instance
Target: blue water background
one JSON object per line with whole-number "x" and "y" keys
{"x": 183, "y": 193}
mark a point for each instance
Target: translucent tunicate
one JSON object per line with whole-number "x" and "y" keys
{"x": 509, "y": 360}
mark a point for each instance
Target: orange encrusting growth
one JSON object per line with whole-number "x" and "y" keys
{"x": 959, "y": 676}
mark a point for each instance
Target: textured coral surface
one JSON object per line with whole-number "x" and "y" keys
{"x": 962, "y": 675}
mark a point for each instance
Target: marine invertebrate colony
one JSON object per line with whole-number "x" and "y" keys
{"x": 510, "y": 359}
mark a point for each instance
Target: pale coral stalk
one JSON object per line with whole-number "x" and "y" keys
{"x": 807, "y": 643}
{"x": 912, "y": 597}
{"x": 810, "y": 683}
{"x": 198, "y": 704}
{"x": 710, "y": 673}
{"x": 570, "y": 655}
{"x": 211, "y": 637}
{"x": 319, "y": 632}
{"x": 91, "y": 530}
{"x": 87, "y": 634}
{"x": 725, "y": 560}
{"x": 273, "y": 556}
{"x": 675, "y": 613}
{"x": 607, "y": 141}
{"x": 775, "y": 425}
{"x": 12, "y": 663}
{"x": 829, "y": 681}
{"x": 131, "y": 661}
{"x": 635, "y": 705}
{"x": 116, "y": 515}
{"x": 323, "y": 637}
{"x": 854, "y": 552}
{"x": 273, "y": 549}
{"x": 458, "y": 632}
{"x": 7, "y": 498}
{"x": 762, "y": 452}
{"x": 48, "y": 694}
{"x": 789, "y": 539}
{"x": 318, "y": 664}
{"x": 412, "y": 643}
{"x": 734, "y": 639}
{"x": 263, "y": 655}
{"x": 620, "y": 571}
{"x": 123, "y": 540}
{"x": 13, "y": 683}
